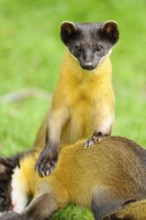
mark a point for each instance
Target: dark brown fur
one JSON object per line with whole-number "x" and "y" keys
{"x": 6, "y": 170}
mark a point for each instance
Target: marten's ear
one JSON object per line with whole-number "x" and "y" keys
{"x": 109, "y": 31}
{"x": 111, "y": 217}
{"x": 6, "y": 169}
{"x": 129, "y": 201}
{"x": 106, "y": 218}
{"x": 68, "y": 31}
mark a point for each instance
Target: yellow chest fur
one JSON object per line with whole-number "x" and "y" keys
{"x": 82, "y": 92}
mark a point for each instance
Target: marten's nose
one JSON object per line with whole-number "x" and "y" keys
{"x": 88, "y": 66}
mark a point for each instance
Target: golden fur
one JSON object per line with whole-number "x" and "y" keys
{"x": 102, "y": 177}
{"x": 82, "y": 101}
{"x": 131, "y": 211}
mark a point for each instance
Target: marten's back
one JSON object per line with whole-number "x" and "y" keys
{"x": 113, "y": 152}
{"x": 115, "y": 161}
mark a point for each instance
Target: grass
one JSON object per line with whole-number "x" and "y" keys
{"x": 31, "y": 54}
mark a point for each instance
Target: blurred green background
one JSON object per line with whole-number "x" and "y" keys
{"x": 30, "y": 57}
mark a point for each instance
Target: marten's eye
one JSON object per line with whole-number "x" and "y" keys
{"x": 78, "y": 49}
{"x": 99, "y": 48}
{"x": 2, "y": 195}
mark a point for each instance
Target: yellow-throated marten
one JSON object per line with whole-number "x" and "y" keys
{"x": 131, "y": 210}
{"x": 102, "y": 177}
{"x": 83, "y": 102}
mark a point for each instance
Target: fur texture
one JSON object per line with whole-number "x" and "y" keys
{"x": 83, "y": 102}
{"x": 102, "y": 178}
{"x": 131, "y": 211}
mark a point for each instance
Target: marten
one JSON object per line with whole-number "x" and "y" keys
{"x": 102, "y": 178}
{"x": 131, "y": 210}
{"x": 83, "y": 102}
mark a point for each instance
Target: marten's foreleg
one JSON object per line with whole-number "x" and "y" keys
{"x": 41, "y": 208}
{"x": 49, "y": 156}
{"x": 105, "y": 200}
{"x": 103, "y": 123}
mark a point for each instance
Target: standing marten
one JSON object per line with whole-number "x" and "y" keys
{"x": 131, "y": 210}
{"x": 102, "y": 178}
{"x": 83, "y": 102}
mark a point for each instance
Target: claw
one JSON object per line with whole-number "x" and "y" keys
{"x": 42, "y": 174}
{"x": 89, "y": 142}
{"x": 44, "y": 167}
{"x": 37, "y": 167}
{"x": 47, "y": 173}
{"x": 100, "y": 138}
{"x": 96, "y": 137}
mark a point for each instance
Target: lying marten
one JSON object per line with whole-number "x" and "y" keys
{"x": 102, "y": 178}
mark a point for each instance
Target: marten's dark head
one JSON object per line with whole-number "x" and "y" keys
{"x": 7, "y": 166}
{"x": 89, "y": 43}
{"x": 6, "y": 170}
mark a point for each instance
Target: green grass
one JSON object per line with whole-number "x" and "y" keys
{"x": 31, "y": 54}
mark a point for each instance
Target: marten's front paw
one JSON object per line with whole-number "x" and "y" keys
{"x": 96, "y": 137}
{"x": 10, "y": 216}
{"x": 47, "y": 161}
{"x": 89, "y": 142}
